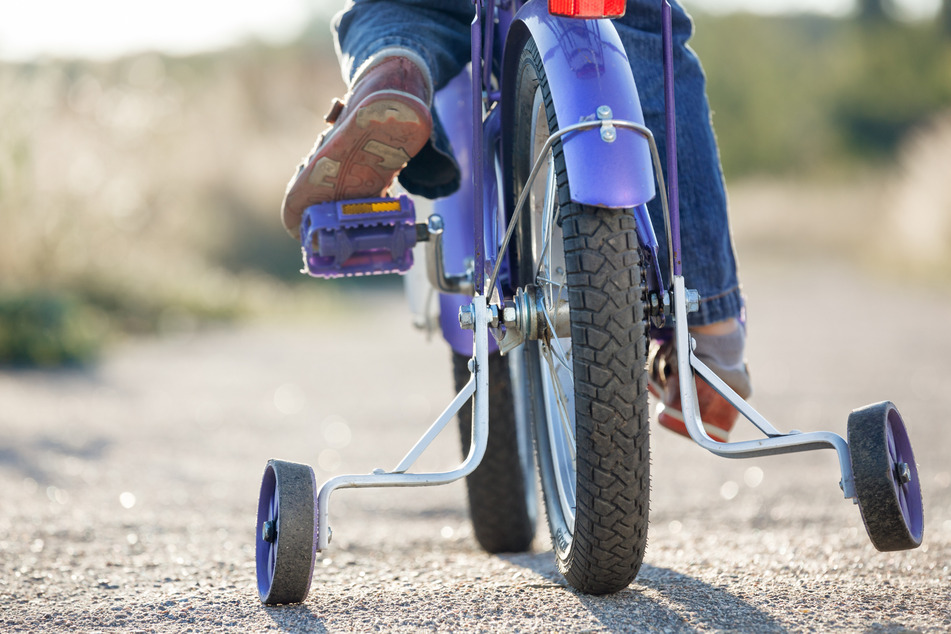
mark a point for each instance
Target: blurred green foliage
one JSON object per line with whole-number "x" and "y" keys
{"x": 47, "y": 329}
{"x": 809, "y": 95}
{"x": 140, "y": 195}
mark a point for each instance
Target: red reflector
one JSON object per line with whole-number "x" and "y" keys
{"x": 587, "y": 8}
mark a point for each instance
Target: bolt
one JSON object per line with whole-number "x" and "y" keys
{"x": 269, "y": 531}
{"x": 466, "y": 317}
{"x": 509, "y": 314}
{"x": 903, "y": 473}
{"x": 494, "y": 316}
{"x": 693, "y": 300}
{"x": 608, "y": 133}
{"x": 435, "y": 224}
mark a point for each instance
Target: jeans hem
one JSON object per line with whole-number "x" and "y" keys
{"x": 726, "y": 305}
{"x": 360, "y": 57}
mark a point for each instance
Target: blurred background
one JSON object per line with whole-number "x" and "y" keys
{"x": 144, "y": 150}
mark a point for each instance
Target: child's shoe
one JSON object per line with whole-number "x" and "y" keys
{"x": 385, "y": 121}
{"x": 716, "y": 413}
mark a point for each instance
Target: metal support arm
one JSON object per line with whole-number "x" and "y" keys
{"x": 775, "y": 441}
{"x": 477, "y": 387}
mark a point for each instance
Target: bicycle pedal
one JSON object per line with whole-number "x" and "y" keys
{"x": 358, "y": 237}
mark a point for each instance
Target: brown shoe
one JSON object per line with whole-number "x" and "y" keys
{"x": 717, "y": 415}
{"x": 385, "y": 122}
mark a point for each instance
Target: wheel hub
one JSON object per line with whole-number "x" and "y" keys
{"x": 903, "y": 473}
{"x": 534, "y": 318}
{"x": 269, "y": 531}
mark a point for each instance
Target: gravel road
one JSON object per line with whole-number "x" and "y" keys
{"x": 129, "y": 490}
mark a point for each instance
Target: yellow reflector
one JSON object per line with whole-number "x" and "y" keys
{"x": 353, "y": 209}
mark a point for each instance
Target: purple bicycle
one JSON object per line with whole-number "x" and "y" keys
{"x": 549, "y": 283}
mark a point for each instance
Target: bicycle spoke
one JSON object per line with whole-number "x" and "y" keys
{"x": 548, "y": 215}
{"x": 558, "y": 351}
{"x": 556, "y": 357}
{"x": 561, "y": 285}
{"x": 562, "y": 400}
{"x": 551, "y": 282}
{"x": 569, "y": 431}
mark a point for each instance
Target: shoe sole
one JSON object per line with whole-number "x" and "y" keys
{"x": 673, "y": 419}
{"x": 361, "y": 157}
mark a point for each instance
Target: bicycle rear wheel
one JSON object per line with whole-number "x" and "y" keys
{"x": 501, "y": 491}
{"x": 586, "y": 371}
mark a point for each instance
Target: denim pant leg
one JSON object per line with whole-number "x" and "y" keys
{"x": 709, "y": 263}
{"x": 438, "y": 31}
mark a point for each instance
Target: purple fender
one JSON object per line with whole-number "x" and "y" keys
{"x": 586, "y": 68}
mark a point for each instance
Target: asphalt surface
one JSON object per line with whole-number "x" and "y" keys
{"x": 129, "y": 490}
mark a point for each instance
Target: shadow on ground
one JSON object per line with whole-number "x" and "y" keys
{"x": 27, "y": 458}
{"x": 296, "y": 618}
{"x": 659, "y": 598}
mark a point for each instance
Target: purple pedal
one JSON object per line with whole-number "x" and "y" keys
{"x": 359, "y": 237}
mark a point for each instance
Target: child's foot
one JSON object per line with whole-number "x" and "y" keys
{"x": 385, "y": 122}
{"x": 717, "y": 415}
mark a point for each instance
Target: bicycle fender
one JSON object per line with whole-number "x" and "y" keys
{"x": 586, "y": 67}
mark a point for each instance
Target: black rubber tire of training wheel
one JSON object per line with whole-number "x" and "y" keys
{"x": 609, "y": 335}
{"x": 502, "y": 518}
{"x": 295, "y": 488}
{"x": 892, "y": 523}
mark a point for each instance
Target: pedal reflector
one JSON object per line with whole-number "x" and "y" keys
{"x": 358, "y": 237}
{"x": 355, "y": 209}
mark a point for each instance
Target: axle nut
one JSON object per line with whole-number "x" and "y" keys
{"x": 466, "y": 317}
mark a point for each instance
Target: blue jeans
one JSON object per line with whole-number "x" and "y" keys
{"x": 438, "y": 30}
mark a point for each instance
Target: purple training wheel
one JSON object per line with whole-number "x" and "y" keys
{"x": 887, "y": 486}
{"x": 286, "y": 542}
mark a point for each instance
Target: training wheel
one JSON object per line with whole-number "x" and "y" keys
{"x": 286, "y": 536}
{"x": 886, "y": 477}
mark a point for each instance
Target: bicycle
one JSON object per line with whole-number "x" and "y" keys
{"x": 564, "y": 273}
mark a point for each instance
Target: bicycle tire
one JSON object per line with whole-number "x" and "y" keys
{"x": 286, "y": 546}
{"x": 596, "y": 485}
{"x": 501, "y": 491}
